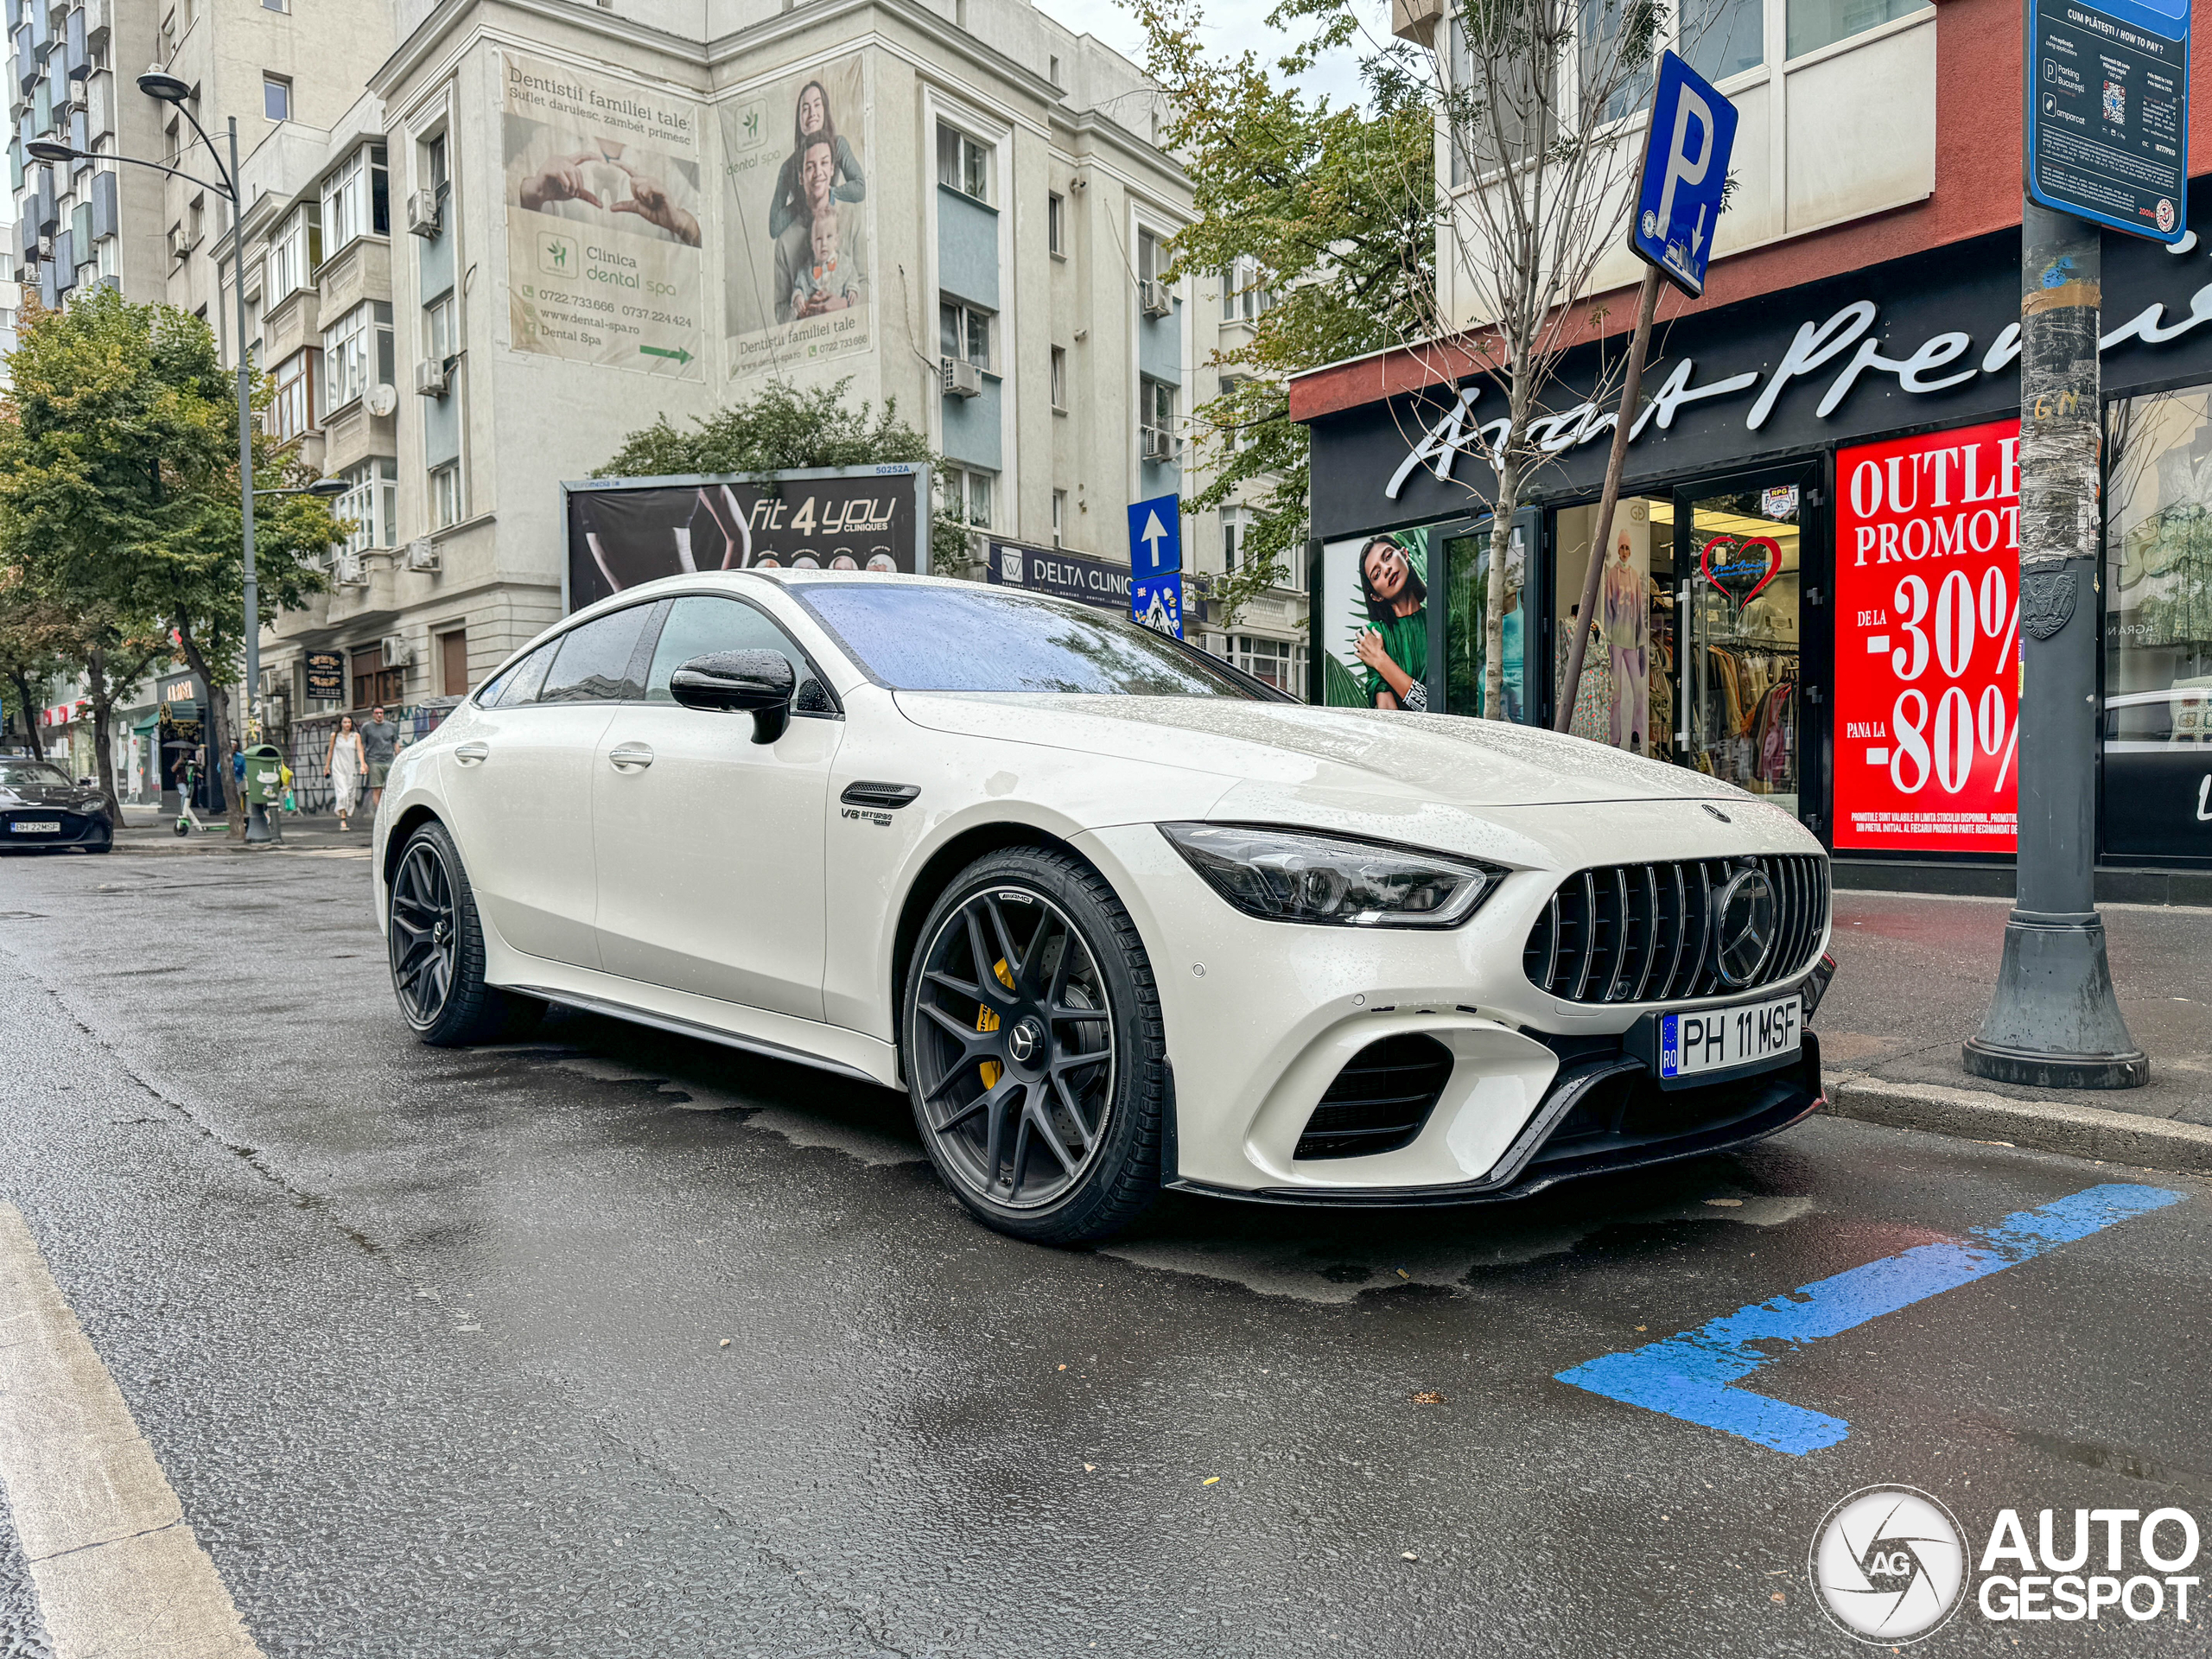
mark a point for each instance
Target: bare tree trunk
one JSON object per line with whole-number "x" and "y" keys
{"x": 23, "y": 683}
{"x": 103, "y": 702}
{"x": 1601, "y": 532}
{"x": 1501, "y": 540}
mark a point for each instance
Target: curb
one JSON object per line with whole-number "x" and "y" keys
{"x": 2094, "y": 1132}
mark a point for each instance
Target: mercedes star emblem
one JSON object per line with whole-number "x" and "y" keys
{"x": 1744, "y": 914}
{"x": 1021, "y": 1041}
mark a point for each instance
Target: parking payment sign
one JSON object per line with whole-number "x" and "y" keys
{"x": 1685, "y": 171}
{"x": 1928, "y": 642}
{"x": 2109, "y": 113}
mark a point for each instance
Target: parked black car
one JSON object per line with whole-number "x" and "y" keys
{"x": 39, "y": 807}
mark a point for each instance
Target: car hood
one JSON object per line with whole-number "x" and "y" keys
{"x": 1440, "y": 758}
{"x": 73, "y": 798}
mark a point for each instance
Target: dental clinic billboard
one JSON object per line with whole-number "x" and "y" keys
{"x": 798, "y": 233}
{"x": 625, "y": 531}
{"x": 603, "y": 175}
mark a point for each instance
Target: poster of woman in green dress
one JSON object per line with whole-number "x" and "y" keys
{"x": 1376, "y": 642}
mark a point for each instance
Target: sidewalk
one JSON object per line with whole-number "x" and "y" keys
{"x": 1914, "y": 973}
{"x": 147, "y": 830}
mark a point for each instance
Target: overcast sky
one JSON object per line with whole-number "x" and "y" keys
{"x": 1242, "y": 23}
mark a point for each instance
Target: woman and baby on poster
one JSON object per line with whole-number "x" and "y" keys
{"x": 817, "y": 241}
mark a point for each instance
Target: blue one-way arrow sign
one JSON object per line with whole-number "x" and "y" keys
{"x": 1156, "y": 538}
{"x": 1685, "y": 171}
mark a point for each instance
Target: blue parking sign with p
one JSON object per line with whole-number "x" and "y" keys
{"x": 1684, "y": 176}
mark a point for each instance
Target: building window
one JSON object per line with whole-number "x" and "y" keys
{"x": 964, "y": 331}
{"x": 371, "y": 501}
{"x": 294, "y": 254}
{"x": 356, "y": 353}
{"x": 453, "y": 663}
{"x": 1722, "y": 38}
{"x": 376, "y": 686}
{"x": 968, "y": 497}
{"x": 1059, "y": 518}
{"x": 1239, "y": 432}
{"x": 1156, "y": 412}
{"x": 439, "y": 327}
{"x": 277, "y": 97}
{"x": 963, "y": 163}
{"x": 1056, "y": 224}
{"x": 446, "y": 504}
{"x": 434, "y": 162}
{"x": 1278, "y": 662}
{"x": 1151, "y": 256}
{"x": 1232, "y": 534}
{"x": 291, "y": 410}
{"x": 1244, "y": 292}
{"x": 1816, "y": 24}
{"x": 357, "y": 198}
{"x": 1053, "y": 73}
{"x": 276, "y": 5}
{"x": 1060, "y": 379}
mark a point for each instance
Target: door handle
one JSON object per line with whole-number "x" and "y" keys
{"x": 470, "y": 753}
{"x": 630, "y": 757}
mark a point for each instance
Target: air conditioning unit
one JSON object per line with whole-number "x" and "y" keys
{"x": 422, "y": 554}
{"x": 398, "y": 650}
{"x": 431, "y": 378}
{"x": 962, "y": 378}
{"x": 182, "y": 242}
{"x": 1156, "y": 444}
{"x": 1156, "y": 298}
{"x": 347, "y": 569}
{"x": 424, "y": 212}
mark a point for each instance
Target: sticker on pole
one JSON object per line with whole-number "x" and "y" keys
{"x": 2109, "y": 113}
{"x": 1684, "y": 175}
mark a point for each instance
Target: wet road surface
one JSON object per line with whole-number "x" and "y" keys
{"x": 612, "y": 1344}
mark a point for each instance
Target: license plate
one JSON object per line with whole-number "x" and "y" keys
{"x": 36, "y": 826}
{"x": 1717, "y": 1040}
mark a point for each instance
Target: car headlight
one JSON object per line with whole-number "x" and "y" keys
{"x": 1289, "y": 875}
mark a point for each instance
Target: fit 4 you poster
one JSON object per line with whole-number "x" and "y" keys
{"x": 1928, "y": 642}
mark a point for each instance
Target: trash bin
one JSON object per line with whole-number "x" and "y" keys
{"x": 265, "y": 788}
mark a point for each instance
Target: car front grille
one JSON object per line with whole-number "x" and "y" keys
{"x": 1380, "y": 1101}
{"x": 72, "y": 824}
{"x": 1643, "y": 932}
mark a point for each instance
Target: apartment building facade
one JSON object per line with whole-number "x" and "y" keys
{"x": 1814, "y": 582}
{"x": 542, "y": 229}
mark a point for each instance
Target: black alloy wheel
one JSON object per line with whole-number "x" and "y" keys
{"x": 424, "y": 946}
{"x": 436, "y": 947}
{"x": 1032, "y": 1049}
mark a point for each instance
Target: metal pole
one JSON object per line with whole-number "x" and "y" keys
{"x": 257, "y": 827}
{"x": 2054, "y": 1022}
{"x": 1615, "y": 463}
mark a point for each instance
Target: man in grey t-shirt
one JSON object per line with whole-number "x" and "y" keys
{"x": 379, "y": 742}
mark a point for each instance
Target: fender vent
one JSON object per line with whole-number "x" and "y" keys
{"x": 1381, "y": 1100}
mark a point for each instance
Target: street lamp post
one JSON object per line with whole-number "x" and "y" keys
{"x": 164, "y": 87}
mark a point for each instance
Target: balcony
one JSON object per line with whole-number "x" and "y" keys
{"x": 360, "y": 270}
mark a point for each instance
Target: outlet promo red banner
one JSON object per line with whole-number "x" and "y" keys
{"x": 1928, "y": 642}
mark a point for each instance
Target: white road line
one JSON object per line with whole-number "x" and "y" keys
{"x": 119, "y": 1574}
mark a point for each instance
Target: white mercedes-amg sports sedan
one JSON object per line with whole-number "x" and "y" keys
{"x": 1115, "y": 916}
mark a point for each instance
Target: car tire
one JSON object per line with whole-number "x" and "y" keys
{"x": 435, "y": 942}
{"x": 1065, "y": 1054}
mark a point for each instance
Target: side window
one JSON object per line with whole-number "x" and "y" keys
{"x": 593, "y": 663}
{"x": 519, "y": 684}
{"x": 699, "y": 624}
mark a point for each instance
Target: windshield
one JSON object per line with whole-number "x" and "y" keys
{"x": 979, "y": 639}
{"x": 19, "y": 773}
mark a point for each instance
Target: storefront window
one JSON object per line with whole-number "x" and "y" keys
{"x": 2158, "y": 726}
{"x": 1740, "y": 646}
{"x": 1627, "y": 691}
{"x": 1467, "y": 557}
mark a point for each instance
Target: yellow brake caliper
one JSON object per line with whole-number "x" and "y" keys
{"x": 991, "y": 1070}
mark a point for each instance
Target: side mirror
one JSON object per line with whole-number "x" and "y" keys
{"x": 758, "y": 681}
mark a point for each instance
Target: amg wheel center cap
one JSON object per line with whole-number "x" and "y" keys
{"x": 1026, "y": 1040}
{"x": 438, "y": 932}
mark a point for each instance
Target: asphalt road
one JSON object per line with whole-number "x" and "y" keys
{"x": 431, "y": 1346}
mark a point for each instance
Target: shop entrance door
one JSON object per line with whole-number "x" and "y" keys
{"x": 1738, "y": 559}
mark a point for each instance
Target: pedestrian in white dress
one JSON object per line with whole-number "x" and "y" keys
{"x": 346, "y": 766}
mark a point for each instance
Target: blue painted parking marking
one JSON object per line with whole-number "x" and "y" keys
{"x": 1690, "y": 1376}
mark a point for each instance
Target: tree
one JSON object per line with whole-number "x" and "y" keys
{"x": 119, "y": 499}
{"x": 29, "y": 652}
{"x": 781, "y": 429}
{"x": 1331, "y": 210}
{"x": 44, "y": 635}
